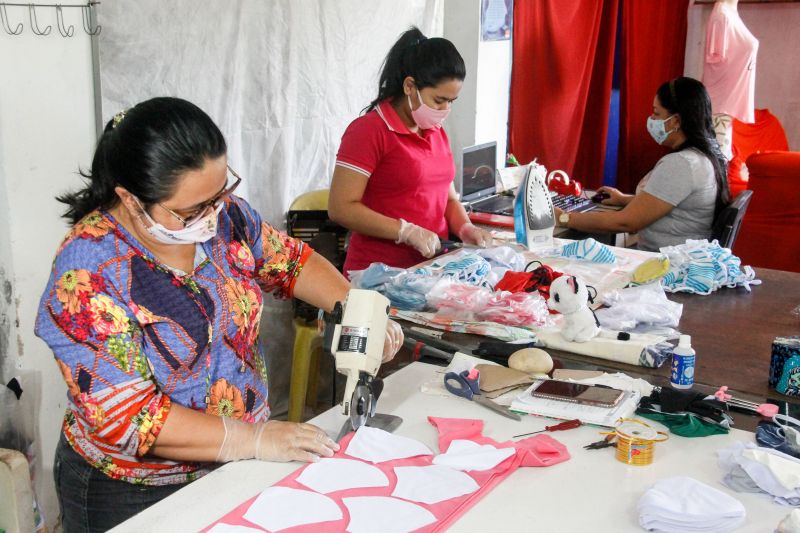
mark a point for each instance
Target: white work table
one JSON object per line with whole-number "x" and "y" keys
{"x": 590, "y": 492}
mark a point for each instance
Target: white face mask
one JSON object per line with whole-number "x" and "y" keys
{"x": 199, "y": 230}
{"x": 656, "y": 129}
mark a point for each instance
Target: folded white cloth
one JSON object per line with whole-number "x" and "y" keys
{"x": 683, "y": 504}
{"x": 775, "y": 473}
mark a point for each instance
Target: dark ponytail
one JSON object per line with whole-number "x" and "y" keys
{"x": 428, "y": 61}
{"x": 689, "y": 99}
{"x": 145, "y": 152}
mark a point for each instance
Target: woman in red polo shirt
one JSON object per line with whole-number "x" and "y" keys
{"x": 393, "y": 181}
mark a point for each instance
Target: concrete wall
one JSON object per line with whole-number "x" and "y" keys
{"x": 46, "y": 132}
{"x": 481, "y": 112}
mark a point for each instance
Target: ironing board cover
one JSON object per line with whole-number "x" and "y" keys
{"x": 540, "y": 450}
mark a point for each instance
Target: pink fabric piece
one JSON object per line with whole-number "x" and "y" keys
{"x": 729, "y": 71}
{"x": 540, "y": 450}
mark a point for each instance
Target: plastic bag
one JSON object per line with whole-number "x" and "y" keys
{"x": 457, "y": 301}
{"x": 515, "y": 309}
{"x": 645, "y": 304}
{"x": 374, "y": 277}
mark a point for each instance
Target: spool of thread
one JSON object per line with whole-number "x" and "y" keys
{"x": 636, "y": 441}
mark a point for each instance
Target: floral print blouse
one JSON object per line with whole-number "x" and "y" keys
{"x": 132, "y": 337}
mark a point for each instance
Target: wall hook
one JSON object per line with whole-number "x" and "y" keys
{"x": 6, "y": 25}
{"x": 35, "y": 24}
{"x": 62, "y": 29}
{"x": 87, "y": 20}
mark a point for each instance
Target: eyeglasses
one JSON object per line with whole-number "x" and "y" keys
{"x": 233, "y": 181}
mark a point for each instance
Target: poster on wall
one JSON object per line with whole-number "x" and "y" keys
{"x": 496, "y": 17}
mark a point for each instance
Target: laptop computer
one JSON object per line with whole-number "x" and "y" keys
{"x": 478, "y": 186}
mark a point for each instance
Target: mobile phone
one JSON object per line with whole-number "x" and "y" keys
{"x": 568, "y": 391}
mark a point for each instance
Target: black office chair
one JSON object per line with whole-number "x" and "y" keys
{"x": 729, "y": 220}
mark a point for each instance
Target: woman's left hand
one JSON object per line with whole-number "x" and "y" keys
{"x": 393, "y": 341}
{"x": 472, "y": 234}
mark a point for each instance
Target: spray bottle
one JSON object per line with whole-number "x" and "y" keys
{"x": 683, "y": 360}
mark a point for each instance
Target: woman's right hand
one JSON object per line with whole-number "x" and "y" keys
{"x": 424, "y": 241}
{"x": 274, "y": 441}
{"x": 615, "y": 196}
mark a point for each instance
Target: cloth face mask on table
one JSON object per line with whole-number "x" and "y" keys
{"x": 425, "y": 116}
{"x": 657, "y": 130}
{"x": 199, "y": 230}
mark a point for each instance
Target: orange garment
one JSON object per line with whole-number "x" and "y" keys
{"x": 766, "y": 133}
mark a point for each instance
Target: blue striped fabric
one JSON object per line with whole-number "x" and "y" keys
{"x": 589, "y": 250}
{"x": 702, "y": 267}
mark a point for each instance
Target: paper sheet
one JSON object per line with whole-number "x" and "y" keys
{"x": 280, "y": 508}
{"x": 431, "y": 484}
{"x": 331, "y": 474}
{"x": 468, "y": 455}
{"x": 376, "y": 446}
{"x": 228, "y": 528}
{"x": 387, "y": 515}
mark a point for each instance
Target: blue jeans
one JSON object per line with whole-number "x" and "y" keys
{"x": 90, "y": 501}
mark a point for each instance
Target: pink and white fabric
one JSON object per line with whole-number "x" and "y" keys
{"x": 397, "y": 495}
{"x": 729, "y": 71}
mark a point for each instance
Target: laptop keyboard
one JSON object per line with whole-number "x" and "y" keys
{"x": 497, "y": 205}
{"x": 571, "y": 203}
{"x": 504, "y": 205}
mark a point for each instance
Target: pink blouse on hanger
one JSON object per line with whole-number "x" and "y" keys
{"x": 729, "y": 72}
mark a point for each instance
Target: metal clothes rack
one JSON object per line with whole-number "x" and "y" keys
{"x": 88, "y": 16}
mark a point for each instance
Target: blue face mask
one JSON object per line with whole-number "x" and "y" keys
{"x": 656, "y": 129}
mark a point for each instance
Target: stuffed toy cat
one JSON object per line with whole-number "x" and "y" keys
{"x": 570, "y": 297}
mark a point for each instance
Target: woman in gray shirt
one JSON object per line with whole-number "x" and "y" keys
{"x": 679, "y": 198}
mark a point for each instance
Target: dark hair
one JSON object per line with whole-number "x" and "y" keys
{"x": 428, "y": 61}
{"x": 145, "y": 152}
{"x": 689, "y": 99}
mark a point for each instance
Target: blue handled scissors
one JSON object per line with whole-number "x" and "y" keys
{"x": 467, "y": 385}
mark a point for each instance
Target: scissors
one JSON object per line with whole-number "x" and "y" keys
{"x": 467, "y": 385}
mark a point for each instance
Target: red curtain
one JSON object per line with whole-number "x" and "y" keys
{"x": 563, "y": 60}
{"x": 653, "y": 44}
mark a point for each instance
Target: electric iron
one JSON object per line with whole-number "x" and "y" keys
{"x": 534, "y": 217}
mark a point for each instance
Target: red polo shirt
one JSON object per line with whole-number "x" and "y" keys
{"x": 409, "y": 177}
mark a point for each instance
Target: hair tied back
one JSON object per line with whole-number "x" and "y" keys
{"x": 119, "y": 117}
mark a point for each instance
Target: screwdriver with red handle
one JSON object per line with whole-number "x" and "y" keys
{"x": 563, "y": 426}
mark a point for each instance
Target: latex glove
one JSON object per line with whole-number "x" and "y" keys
{"x": 422, "y": 240}
{"x": 274, "y": 441}
{"x": 393, "y": 342}
{"x": 472, "y": 234}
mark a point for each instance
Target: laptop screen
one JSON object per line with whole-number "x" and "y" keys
{"x": 478, "y": 171}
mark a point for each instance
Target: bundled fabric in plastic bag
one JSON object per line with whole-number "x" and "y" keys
{"x": 702, "y": 267}
{"x": 642, "y": 305}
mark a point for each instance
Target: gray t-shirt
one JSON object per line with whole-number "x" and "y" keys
{"x": 685, "y": 180}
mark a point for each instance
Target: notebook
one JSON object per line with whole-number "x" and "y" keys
{"x": 478, "y": 181}
{"x": 588, "y": 414}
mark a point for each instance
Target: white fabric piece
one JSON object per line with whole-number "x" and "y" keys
{"x": 790, "y": 524}
{"x": 386, "y": 515}
{"x": 632, "y": 352}
{"x": 684, "y": 504}
{"x": 786, "y": 472}
{"x": 228, "y": 528}
{"x": 468, "y": 455}
{"x": 281, "y": 507}
{"x": 282, "y": 80}
{"x": 759, "y": 472}
{"x": 332, "y": 474}
{"x": 432, "y": 484}
{"x": 376, "y": 446}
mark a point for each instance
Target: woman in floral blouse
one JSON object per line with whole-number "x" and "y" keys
{"x": 152, "y": 311}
